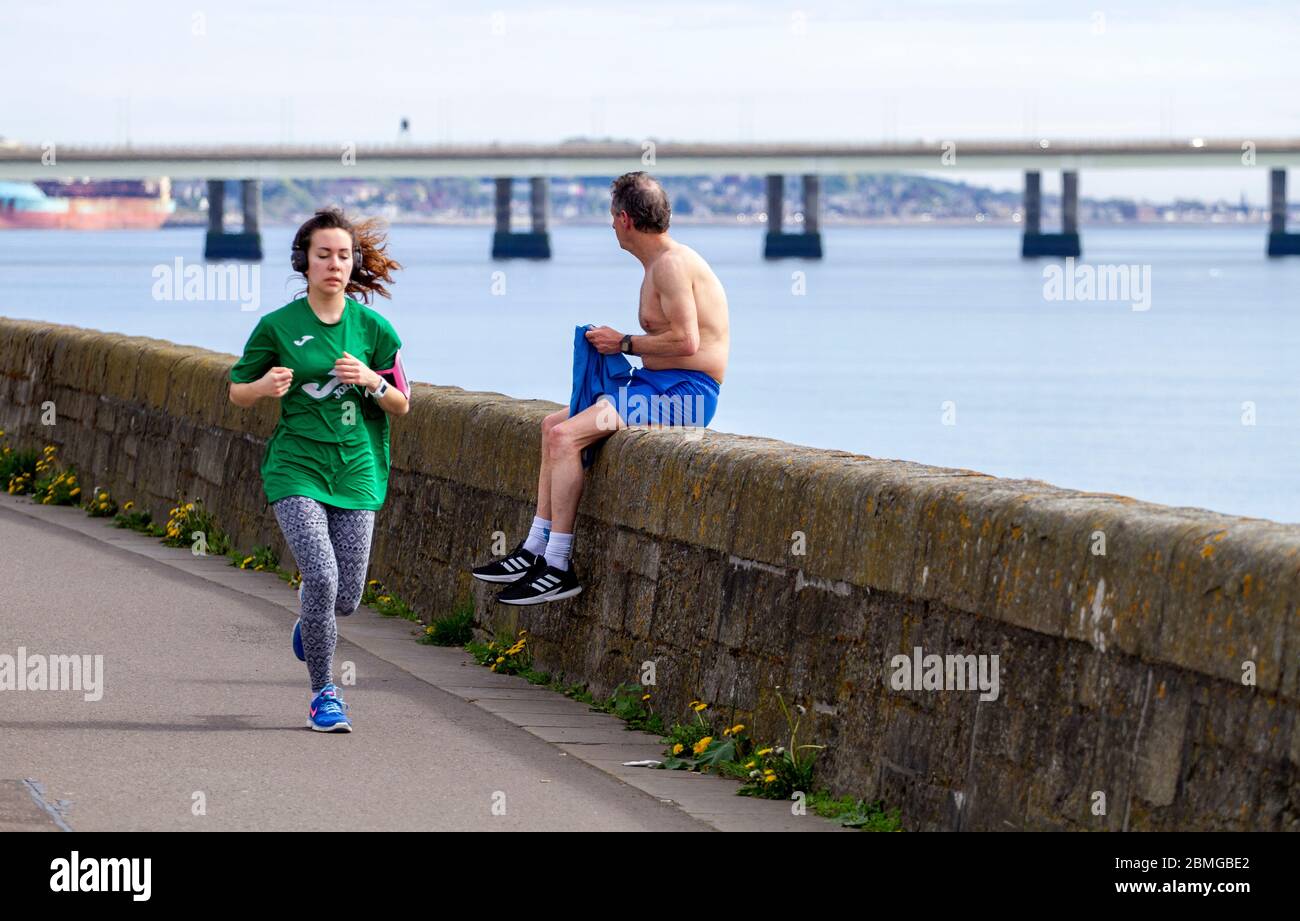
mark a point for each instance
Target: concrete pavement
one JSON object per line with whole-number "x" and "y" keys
{"x": 203, "y": 702}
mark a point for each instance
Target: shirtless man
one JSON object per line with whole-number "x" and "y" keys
{"x": 684, "y": 351}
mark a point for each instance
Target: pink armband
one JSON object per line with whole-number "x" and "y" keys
{"x": 396, "y": 375}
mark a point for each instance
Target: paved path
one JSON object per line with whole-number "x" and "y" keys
{"x": 202, "y": 694}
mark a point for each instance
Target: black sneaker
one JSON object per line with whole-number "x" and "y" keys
{"x": 509, "y": 568}
{"x": 543, "y": 583}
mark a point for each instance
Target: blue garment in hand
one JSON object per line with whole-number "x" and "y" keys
{"x": 594, "y": 374}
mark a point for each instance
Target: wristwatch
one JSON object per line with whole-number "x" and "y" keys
{"x": 626, "y": 345}
{"x": 378, "y": 391}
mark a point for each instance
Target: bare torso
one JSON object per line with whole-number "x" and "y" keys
{"x": 711, "y": 314}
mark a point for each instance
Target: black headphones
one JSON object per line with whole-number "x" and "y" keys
{"x": 298, "y": 261}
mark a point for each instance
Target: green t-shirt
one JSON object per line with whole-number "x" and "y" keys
{"x": 331, "y": 443}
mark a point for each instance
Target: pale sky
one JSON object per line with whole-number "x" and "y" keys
{"x": 513, "y": 70}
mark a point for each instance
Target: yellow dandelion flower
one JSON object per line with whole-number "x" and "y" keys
{"x": 763, "y": 751}
{"x": 698, "y": 706}
{"x": 701, "y": 745}
{"x": 128, "y": 506}
{"x": 737, "y": 728}
{"x": 75, "y": 491}
{"x": 677, "y": 749}
{"x": 500, "y": 659}
{"x": 645, "y": 696}
{"x": 428, "y": 630}
{"x": 771, "y": 779}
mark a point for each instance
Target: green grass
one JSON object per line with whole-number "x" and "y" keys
{"x": 386, "y": 603}
{"x": 764, "y": 770}
{"x": 456, "y": 629}
{"x": 17, "y": 469}
{"x": 261, "y": 559}
{"x": 855, "y": 813}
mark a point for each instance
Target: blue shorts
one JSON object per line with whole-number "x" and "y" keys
{"x": 671, "y": 396}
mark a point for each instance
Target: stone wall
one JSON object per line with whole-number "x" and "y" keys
{"x": 741, "y": 565}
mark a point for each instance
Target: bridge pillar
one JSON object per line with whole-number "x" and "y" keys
{"x": 250, "y": 191}
{"x": 216, "y": 206}
{"x": 535, "y": 244}
{"x": 812, "y": 204}
{"x": 781, "y": 245}
{"x": 1280, "y": 243}
{"x": 246, "y": 245}
{"x": 1037, "y": 243}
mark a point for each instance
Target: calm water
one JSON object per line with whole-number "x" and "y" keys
{"x": 895, "y": 322}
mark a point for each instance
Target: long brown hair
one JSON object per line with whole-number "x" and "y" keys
{"x": 368, "y": 236}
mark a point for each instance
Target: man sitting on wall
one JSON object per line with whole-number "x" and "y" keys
{"x": 684, "y": 351}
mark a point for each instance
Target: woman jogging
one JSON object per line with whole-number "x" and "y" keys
{"x": 335, "y": 366}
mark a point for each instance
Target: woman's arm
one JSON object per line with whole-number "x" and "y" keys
{"x": 274, "y": 383}
{"x": 393, "y": 401}
{"x": 351, "y": 370}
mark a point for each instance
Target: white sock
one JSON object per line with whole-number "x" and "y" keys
{"x": 558, "y": 550}
{"x": 538, "y": 535}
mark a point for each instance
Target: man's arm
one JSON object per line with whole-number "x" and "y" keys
{"x": 677, "y": 298}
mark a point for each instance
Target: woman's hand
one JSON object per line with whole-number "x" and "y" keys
{"x": 276, "y": 382}
{"x": 351, "y": 371}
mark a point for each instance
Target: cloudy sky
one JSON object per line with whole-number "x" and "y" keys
{"x": 532, "y": 71}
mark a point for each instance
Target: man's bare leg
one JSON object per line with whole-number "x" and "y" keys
{"x": 544, "y": 477}
{"x": 552, "y": 577}
{"x": 562, "y": 440}
{"x": 563, "y": 444}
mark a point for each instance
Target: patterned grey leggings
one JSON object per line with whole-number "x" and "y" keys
{"x": 332, "y": 549}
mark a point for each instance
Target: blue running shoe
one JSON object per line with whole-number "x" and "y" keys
{"x": 328, "y": 711}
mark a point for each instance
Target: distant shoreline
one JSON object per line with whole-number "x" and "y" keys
{"x": 489, "y": 224}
